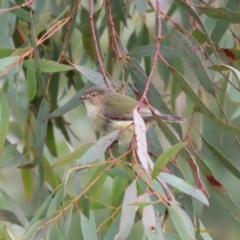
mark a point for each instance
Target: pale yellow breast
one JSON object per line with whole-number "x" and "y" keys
{"x": 95, "y": 115}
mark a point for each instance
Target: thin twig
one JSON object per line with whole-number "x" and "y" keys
{"x": 157, "y": 50}
{"x": 99, "y": 59}
{"x": 73, "y": 12}
{"x": 113, "y": 39}
{"x": 46, "y": 36}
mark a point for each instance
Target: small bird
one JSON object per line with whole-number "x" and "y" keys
{"x": 109, "y": 110}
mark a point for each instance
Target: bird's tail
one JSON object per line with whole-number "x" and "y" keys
{"x": 172, "y": 118}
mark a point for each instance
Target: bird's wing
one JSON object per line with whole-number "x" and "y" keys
{"x": 124, "y": 112}
{"x": 146, "y": 114}
{"x": 114, "y": 109}
{"x": 144, "y": 111}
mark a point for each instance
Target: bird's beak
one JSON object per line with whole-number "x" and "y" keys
{"x": 83, "y": 97}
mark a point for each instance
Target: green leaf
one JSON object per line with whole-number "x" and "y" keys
{"x": 96, "y": 77}
{"x": 154, "y": 147}
{"x": 200, "y": 105}
{"x": 165, "y": 157}
{"x": 141, "y": 6}
{"x": 118, "y": 12}
{"x": 119, "y": 172}
{"x": 199, "y": 36}
{"x": 97, "y": 150}
{"x": 113, "y": 230}
{"x": 188, "y": 9}
{"x": 95, "y": 205}
{"x": 87, "y": 37}
{"x": 151, "y": 224}
{"x": 57, "y": 200}
{"x": 149, "y": 51}
{"x": 72, "y": 156}
{"x": 27, "y": 180}
{"x": 8, "y": 216}
{"x": 184, "y": 187}
{"x": 31, "y": 84}
{"x": 191, "y": 50}
{"x": 21, "y": 51}
{"x": 221, "y": 13}
{"x": 40, "y": 133}
{"x": 33, "y": 230}
{"x": 128, "y": 212}
{"x": 222, "y": 159}
{"x": 51, "y": 177}
{"x": 181, "y": 222}
{"x": 6, "y": 52}
{"x": 15, "y": 208}
{"x": 11, "y": 157}
{"x": 21, "y": 13}
{"x": 96, "y": 189}
{"x": 7, "y": 61}
{"x": 68, "y": 223}
{"x": 219, "y": 30}
{"x": 47, "y": 66}
{"x": 4, "y": 119}
{"x": 119, "y": 186}
{"x": 216, "y": 187}
{"x": 88, "y": 230}
{"x": 223, "y": 67}
{"x": 172, "y": 237}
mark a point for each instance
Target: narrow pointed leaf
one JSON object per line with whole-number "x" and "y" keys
{"x": 40, "y": 133}
{"x": 222, "y": 159}
{"x": 15, "y": 209}
{"x": 182, "y": 222}
{"x": 98, "y": 149}
{"x": 72, "y": 156}
{"x": 47, "y": 66}
{"x": 165, "y": 157}
{"x": 4, "y": 119}
{"x": 128, "y": 212}
{"x": 151, "y": 224}
{"x": 7, "y": 61}
{"x": 88, "y": 230}
{"x": 221, "y": 13}
{"x": 184, "y": 187}
{"x": 200, "y": 105}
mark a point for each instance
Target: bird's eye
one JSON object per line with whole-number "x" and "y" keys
{"x": 94, "y": 94}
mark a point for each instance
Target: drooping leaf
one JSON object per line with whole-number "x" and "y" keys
{"x": 16, "y": 209}
{"x": 221, "y": 13}
{"x": 4, "y": 119}
{"x": 165, "y": 157}
{"x": 71, "y": 157}
{"x": 40, "y": 133}
{"x": 151, "y": 223}
{"x": 88, "y": 230}
{"x": 88, "y": 41}
{"x": 184, "y": 187}
{"x": 47, "y": 66}
{"x": 182, "y": 222}
{"x": 128, "y": 212}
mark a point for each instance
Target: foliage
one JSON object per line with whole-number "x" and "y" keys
{"x": 57, "y": 182}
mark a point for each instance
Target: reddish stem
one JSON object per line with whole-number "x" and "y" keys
{"x": 95, "y": 43}
{"x": 157, "y": 52}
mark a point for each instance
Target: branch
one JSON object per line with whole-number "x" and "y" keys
{"x": 113, "y": 38}
{"x": 95, "y": 43}
{"x": 62, "y": 54}
{"x": 157, "y": 50}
